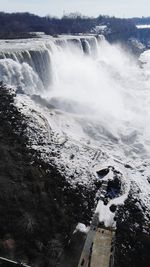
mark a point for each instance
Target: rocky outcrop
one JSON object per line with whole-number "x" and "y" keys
{"x": 38, "y": 208}
{"x": 133, "y": 233}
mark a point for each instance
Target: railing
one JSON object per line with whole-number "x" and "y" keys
{"x": 4, "y": 262}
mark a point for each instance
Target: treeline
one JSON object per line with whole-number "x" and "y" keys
{"x": 143, "y": 34}
{"x": 21, "y": 25}
{"x": 143, "y": 20}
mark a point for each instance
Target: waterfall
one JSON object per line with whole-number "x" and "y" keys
{"x": 38, "y": 60}
{"x": 21, "y": 76}
{"x": 84, "y": 75}
{"x": 29, "y": 66}
{"x": 86, "y": 47}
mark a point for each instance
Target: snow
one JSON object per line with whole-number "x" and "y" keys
{"x": 143, "y": 26}
{"x": 105, "y": 215}
{"x": 81, "y": 228}
{"x": 66, "y": 142}
{"x": 100, "y": 116}
{"x": 103, "y": 210}
{"x": 145, "y": 57}
{"x": 100, "y": 29}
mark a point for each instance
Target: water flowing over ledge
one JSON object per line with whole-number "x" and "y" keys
{"x": 33, "y": 59}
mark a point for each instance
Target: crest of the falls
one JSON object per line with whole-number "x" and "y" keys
{"x": 31, "y": 60}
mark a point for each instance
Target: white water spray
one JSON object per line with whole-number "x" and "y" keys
{"x": 100, "y": 82}
{"x": 111, "y": 89}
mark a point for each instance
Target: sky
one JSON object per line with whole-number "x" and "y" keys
{"x": 118, "y": 8}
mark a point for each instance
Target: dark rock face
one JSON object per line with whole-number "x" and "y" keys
{"x": 38, "y": 208}
{"x": 133, "y": 234}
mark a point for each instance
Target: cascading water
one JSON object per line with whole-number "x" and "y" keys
{"x": 82, "y": 75}
{"x": 32, "y": 63}
{"x": 110, "y": 88}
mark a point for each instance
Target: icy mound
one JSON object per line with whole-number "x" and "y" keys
{"x": 61, "y": 141}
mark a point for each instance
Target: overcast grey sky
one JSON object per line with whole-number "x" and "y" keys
{"x": 119, "y": 8}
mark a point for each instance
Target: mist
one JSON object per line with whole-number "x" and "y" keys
{"x": 107, "y": 87}
{"x": 100, "y": 88}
